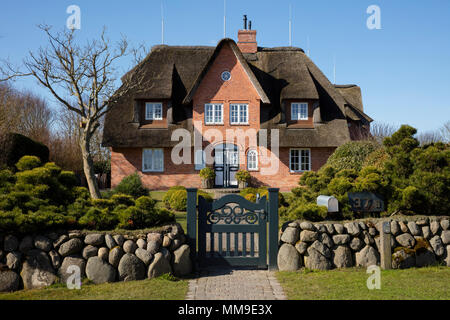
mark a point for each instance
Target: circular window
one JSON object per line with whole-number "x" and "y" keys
{"x": 226, "y": 75}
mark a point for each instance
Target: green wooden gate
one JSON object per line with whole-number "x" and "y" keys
{"x": 233, "y": 231}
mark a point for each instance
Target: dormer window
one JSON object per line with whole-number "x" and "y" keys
{"x": 153, "y": 111}
{"x": 299, "y": 111}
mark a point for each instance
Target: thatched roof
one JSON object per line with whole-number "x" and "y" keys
{"x": 174, "y": 72}
{"x": 354, "y": 107}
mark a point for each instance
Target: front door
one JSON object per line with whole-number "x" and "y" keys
{"x": 226, "y": 164}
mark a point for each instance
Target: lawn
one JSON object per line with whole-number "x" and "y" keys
{"x": 180, "y": 216}
{"x": 350, "y": 284}
{"x": 151, "y": 289}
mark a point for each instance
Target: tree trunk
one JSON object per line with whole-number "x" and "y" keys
{"x": 88, "y": 165}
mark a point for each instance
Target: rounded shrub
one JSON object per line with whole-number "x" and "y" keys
{"x": 132, "y": 185}
{"x": 121, "y": 198}
{"x": 168, "y": 195}
{"x": 178, "y": 200}
{"x": 28, "y": 163}
{"x": 207, "y": 173}
{"x": 351, "y": 155}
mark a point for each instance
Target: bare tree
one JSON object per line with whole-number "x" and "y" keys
{"x": 26, "y": 113}
{"x": 381, "y": 130}
{"x": 429, "y": 137}
{"x": 85, "y": 74}
{"x": 445, "y": 132}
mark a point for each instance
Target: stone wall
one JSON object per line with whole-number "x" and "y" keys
{"x": 323, "y": 246}
{"x": 36, "y": 261}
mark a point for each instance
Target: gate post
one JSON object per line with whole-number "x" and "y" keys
{"x": 191, "y": 207}
{"x": 273, "y": 228}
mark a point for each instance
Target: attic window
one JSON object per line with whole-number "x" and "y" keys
{"x": 153, "y": 111}
{"x": 299, "y": 111}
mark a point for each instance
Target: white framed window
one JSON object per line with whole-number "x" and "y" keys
{"x": 199, "y": 159}
{"x": 239, "y": 113}
{"x": 152, "y": 160}
{"x": 153, "y": 111}
{"x": 213, "y": 113}
{"x": 252, "y": 160}
{"x": 300, "y": 160}
{"x": 299, "y": 111}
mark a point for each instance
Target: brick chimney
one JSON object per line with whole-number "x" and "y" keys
{"x": 247, "y": 39}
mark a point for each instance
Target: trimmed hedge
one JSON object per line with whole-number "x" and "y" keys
{"x": 14, "y": 146}
{"x": 176, "y": 198}
{"x": 39, "y": 198}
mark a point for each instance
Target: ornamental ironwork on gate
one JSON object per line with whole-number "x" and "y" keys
{"x": 233, "y": 231}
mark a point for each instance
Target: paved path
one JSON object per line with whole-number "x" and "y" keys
{"x": 235, "y": 284}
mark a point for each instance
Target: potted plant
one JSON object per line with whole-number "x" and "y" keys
{"x": 208, "y": 175}
{"x": 243, "y": 178}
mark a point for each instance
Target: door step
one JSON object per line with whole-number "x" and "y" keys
{"x": 218, "y": 193}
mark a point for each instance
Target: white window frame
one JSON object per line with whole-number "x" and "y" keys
{"x": 300, "y": 115}
{"x": 239, "y": 112}
{"x": 215, "y": 107}
{"x": 153, "y": 116}
{"x": 199, "y": 165}
{"x": 256, "y": 168}
{"x": 152, "y": 169}
{"x": 300, "y": 159}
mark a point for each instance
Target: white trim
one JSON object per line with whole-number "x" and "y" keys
{"x": 151, "y": 169}
{"x": 300, "y": 158}
{"x": 256, "y": 160}
{"x": 213, "y": 114}
{"x": 239, "y": 113}
{"x": 153, "y": 113}
{"x": 300, "y": 104}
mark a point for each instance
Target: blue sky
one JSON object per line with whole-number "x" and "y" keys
{"x": 403, "y": 69}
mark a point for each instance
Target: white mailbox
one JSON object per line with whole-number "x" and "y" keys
{"x": 328, "y": 201}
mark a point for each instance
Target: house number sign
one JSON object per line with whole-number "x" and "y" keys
{"x": 366, "y": 202}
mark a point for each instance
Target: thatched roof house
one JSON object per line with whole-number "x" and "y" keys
{"x": 183, "y": 79}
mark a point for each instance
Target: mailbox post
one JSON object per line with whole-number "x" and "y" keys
{"x": 385, "y": 246}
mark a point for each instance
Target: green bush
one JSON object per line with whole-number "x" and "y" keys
{"x": 40, "y": 198}
{"x": 251, "y": 194}
{"x": 99, "y": 219}
{"x": 168, "y": 195}
{"x": 351, "y": 155}
{"x": 176, "y": 198}
{"x": 243, "y": 176}
{"x": 124, "y": 199}
{"x": 411, "y": 179}
{"x": 207, "y": 174}
{"x": 28, "y": 163}
{"x": 301, "y": 210}
{"x": 132, "y": 185}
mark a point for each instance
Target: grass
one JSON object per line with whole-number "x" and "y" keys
{"x": 431, "y": 283}
{"x": 180, "y": 216}
{"x": 162, "y": 288}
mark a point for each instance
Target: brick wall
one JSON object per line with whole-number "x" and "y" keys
{"x": 126, "y": 161}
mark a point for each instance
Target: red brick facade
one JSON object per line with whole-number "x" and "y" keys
{"x": 212, "y": 89}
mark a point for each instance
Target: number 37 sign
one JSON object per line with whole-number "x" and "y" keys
{"x": 366, "y": 202}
